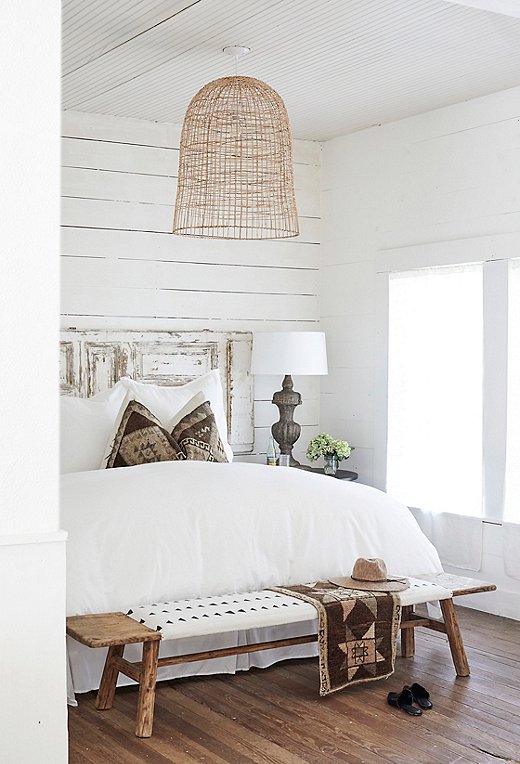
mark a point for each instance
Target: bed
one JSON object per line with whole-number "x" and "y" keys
{"x": 188, "y": 529}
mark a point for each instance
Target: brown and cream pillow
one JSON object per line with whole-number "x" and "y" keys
{"x": 141, "y": 439}
{"x": 197, "y": 433}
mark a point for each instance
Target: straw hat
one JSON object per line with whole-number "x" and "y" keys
{"x": 371, "y": 576}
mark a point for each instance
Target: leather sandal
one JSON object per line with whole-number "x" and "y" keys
{"x": 420, "y": 695}
{"x": 403, "y": 700}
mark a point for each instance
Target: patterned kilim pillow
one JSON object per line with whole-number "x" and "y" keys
{"x": 141, "y": 439}
{"x": 198, "y": 437}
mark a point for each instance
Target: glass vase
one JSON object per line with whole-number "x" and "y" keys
{"x": 330, "y": 464}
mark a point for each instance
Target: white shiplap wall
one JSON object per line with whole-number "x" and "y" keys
{"x": 446, "y": 175}
{"x": 123, "y": 269}
{"x": 450, "y": 175}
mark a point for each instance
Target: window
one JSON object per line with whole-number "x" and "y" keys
{"x": 435, "y": 378}
{"x": 451, "y": 439}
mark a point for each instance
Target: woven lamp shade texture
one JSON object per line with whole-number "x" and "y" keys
{"x": 236, "y": 176}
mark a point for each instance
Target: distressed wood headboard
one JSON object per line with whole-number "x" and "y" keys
{"x": 93, "y": 361}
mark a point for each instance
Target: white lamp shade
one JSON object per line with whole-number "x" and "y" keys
{"x": 289, "y": 353}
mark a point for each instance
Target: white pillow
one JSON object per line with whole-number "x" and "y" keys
{"x": 85, "y": 426}
{"x": 166, "y": 400}
{"x": 115, "y": 394}
{"x": 188, "y": 407}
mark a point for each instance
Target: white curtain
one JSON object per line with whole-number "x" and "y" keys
{"x": 434, "y": 456}
{"x": 511, "y": 525}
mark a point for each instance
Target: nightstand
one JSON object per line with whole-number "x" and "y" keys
{"x": 340, "y": 474}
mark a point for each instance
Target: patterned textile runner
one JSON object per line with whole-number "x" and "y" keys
{"x": 357, "y": 632}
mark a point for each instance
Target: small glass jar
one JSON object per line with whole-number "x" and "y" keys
{"x": 330, "y": 464}
{"x": 284, "y": 460}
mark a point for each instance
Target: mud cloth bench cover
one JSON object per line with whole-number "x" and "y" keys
{"x": 178, "y": 619}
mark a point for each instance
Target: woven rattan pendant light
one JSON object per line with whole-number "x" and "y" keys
{"x": 235, "y": 166}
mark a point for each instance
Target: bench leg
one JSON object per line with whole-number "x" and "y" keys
{"x": 146, "y": 701}
{"x": 107, "y": 688}
{"x": 407, "y": 635}
{"x": 455, "y": 638}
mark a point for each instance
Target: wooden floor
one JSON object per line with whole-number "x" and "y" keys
{"x": 275, "y": 716}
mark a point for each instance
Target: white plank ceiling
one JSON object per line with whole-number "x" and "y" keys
{"x": 340, "y": 65}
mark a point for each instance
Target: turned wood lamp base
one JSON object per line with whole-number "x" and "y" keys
{"x": 286, "y": 431}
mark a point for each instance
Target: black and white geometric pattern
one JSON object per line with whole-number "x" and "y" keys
{"x": 251, "y": 610}
{"x": 217, "y": 615}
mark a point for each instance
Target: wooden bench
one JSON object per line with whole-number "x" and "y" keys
{"x": 148, "y": 624}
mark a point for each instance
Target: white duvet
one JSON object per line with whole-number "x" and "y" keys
{"x": 176, "y": 530}
{"x": 192, "y": 529}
